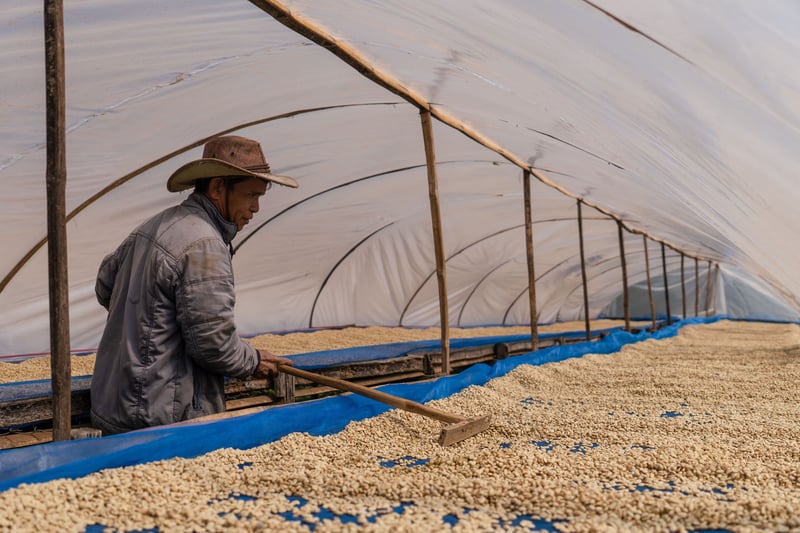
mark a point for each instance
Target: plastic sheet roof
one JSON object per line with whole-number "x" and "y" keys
{"x": 679, "y": 118}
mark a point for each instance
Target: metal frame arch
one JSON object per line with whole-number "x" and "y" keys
{"x": 339, "y": 262}
{"x": 548, "y": 272}
{"x": 608, "y": 270}
{"x": 347, "y": 184}
{"x": 475, "y": 288}
{"x": 362, "y": 241}
{"x": 429, "y": 276}
{"x": 474, "y": 243}
{"x": 516, "y": 299}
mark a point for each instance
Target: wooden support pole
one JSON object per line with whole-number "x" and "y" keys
{"x": 526, "y": 184}
{"x": 683, "y": 287}
{"x": 708, "y": 291}
{"x": 56, "y": 181}
{"x": 666, "y": 282}
{"x": 285, "y": 387}
{"x": 583, "y": 275}
{"x": 625, "y": 300}
{"x": 696, "y": 287}
{"x": 714, "y": 288}
{"x": 438, "y": 243}
{"x": 649, "y": 282}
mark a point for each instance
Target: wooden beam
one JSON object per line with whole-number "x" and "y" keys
{"x": 625, "y": 296}
{"x": 649, "y": 282}
{"x": 33, "y": 410}
{"x": 587, "y": 326}
{"x": 666, "y": 282}
{"x": 438, "y": 241}
{"x": 526, "y": 186}
{"x": 56, "y": 180}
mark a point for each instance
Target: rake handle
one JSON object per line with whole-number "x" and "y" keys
{"x": 394, "y": 401}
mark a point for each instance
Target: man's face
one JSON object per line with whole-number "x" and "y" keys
{"x": 242, "y": 201}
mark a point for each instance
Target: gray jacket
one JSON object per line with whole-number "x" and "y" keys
{"x": 170, "y": 336}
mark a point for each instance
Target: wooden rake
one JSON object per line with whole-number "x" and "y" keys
{"x": 457, "y": 428}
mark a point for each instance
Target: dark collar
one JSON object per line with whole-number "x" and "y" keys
{"x": 227, "y": 229}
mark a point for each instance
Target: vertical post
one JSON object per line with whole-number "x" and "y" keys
{"x": 436, "y": 222}
{"x": 649, "y": 283}
{"x": 716, "y": 282}
{"x": 625, "y": 301}
{"x": 56, "y": 181}
{"x": 696, "y": 287}
{"x": 683, "y": 287}
{"x": 284, "y": 385}
{"x": 583, "y": 275}
{"x": 666, "y": 282}
{"x": 708, "y": 291}
{"x": 526, "y": 184}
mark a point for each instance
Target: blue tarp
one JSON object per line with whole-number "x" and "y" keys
{"x": 72, "y": 459}
{"x": 41, "y": 388}
{"x": 321, "y": 359}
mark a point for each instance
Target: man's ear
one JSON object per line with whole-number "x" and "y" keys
{"x": 216, "y": 189}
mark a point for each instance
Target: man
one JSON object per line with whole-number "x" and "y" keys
{"x": 170, "y": 336}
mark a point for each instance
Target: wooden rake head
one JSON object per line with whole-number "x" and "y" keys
{"x": 457, "y": 429}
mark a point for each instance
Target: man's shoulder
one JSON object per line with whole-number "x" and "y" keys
{"x": 180, "y": 227}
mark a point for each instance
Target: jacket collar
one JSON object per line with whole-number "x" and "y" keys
{"x": 226, "y": 228}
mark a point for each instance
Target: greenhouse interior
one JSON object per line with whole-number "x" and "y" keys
{"x": 536, "y": 273}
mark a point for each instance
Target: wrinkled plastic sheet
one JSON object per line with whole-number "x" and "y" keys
{"x": 72, "y": 459}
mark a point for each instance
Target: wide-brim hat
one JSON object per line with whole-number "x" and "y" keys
{"x": 230, "y": 155}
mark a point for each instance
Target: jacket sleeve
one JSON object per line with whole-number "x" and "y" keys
{"x": 204, "y": 298}
{"x": 107, "y": 275}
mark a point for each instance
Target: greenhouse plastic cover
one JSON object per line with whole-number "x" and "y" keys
{"x": 680, "y": 118}
{"x": 318, "y": 417}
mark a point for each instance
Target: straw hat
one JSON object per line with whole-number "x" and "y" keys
{"x": 230, "y": 155}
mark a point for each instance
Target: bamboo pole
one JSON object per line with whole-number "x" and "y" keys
{"x": 696, "y": 288}
{"x": 649, "y": 282}
{"x": 436, "y": 223}
{"x": 56, "y": 181}
{"x": 526, "y": 184}
{"x": 666, "y": 282}
{"x": 716, "y": 283}
{"x": 683, "y": 287}
{"x": 583, "y": 275}
{"x": 625, "y": 299}
{"x": 708, "y": 291}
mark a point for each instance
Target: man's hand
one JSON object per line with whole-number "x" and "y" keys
{"x": 268, "y": 366}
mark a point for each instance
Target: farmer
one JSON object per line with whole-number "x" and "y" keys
{"x": 170, "y": 336}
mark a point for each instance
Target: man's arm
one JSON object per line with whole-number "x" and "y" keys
{"x": 107, "y": 275}
{"x": 204, "y": 299}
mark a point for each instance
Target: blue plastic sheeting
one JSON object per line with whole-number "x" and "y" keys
{"x": 358, "y": 354}
{"x": 308, "y": 361}
{"x": 41, "y": 388}
{"x": 72, "y": 459}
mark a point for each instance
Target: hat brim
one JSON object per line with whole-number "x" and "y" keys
{"x": 185, "y": 177}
